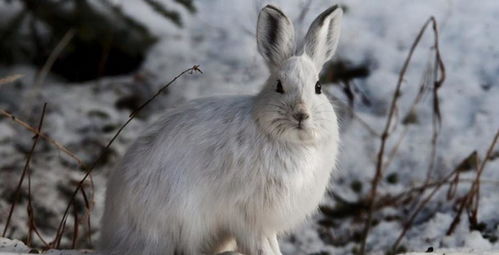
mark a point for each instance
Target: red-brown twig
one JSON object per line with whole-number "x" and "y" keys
{"x": 421, "y": 205}
{"x": 476, "y": 185}
{"x": 471, "y": 199}
{"x": 10, "y": 78}
{"x": 438, "y": 82}
{"x": 25, "y": 170}
{"x": 62, "y": 223}
{"x": 75, "y": 228}
{"x": 68, "y": 36}
{"x": 386, "y": 133}
{"x": 58, "y": 145}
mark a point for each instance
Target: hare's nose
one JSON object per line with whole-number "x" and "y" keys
{"x": 300, "y": 116}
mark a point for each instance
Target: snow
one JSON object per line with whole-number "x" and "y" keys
{"x": 220, "y": 38}
{"x": 16, "y": 247}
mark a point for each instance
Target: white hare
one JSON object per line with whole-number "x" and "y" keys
{"x": 232, "y": 170}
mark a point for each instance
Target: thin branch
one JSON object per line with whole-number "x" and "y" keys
{"x": 44, "y": 136}
{"x": 10, "y": 78}
{"x": 436, "y": 117}
{"x": 408, "y": 224}
{"x": 62, "y": 223}
{"x": 471, "y": 199}
{"x": 25, "y": 170}
{"x": 476, "y": 184}
{"x": 386, "y": 133}
{"x": 47, "y": 66}
{"x": 68, "y": 36}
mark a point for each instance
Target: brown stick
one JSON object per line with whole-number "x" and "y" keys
{"x": 68, "y": 36}
{"x": 44, "y": 136}
{"x": 476, "y": 184}
{"x": 408, "y": 223}
{"x": 75, "y": 228}
{"x": 386, "y": 134}
{"x": 60, "y": 229}
{"x": 471, "y": 199}
{"x": 25, "y": 170}
{"x": 10, "y": 78}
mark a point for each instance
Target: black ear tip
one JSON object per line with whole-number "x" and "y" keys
{"x": 274, "y": 8}
{"x": 329, "y": 11}
{"x": 332, "y": 9}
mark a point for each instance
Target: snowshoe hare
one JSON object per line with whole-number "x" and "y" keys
{"x": 232, "y": 171}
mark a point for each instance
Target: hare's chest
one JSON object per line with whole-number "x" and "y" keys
{"x": 293, "y": 189}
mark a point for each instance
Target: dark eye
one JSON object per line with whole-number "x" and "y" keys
{"x": 279, "y": 88}
{"x": 318, "y": 88}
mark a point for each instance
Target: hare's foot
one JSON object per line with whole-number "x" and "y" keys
{"x": 258, "y": 245}
{"x": 274, "y": 244}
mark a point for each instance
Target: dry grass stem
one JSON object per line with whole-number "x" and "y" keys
{"x": 21, "y": 180}
{"x": 10, "y": 78}
{"x": 60, "y": 230}
{"x": 439, "y": 69}
{"x": 58, "y": 145}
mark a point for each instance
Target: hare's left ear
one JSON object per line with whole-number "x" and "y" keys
{"x": 275, "y": 36}
{"x": 323, "y": 35}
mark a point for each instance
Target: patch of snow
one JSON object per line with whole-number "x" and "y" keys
{"x": 220, "y": 38}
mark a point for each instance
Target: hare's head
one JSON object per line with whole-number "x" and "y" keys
{"x": 292, "y": 106}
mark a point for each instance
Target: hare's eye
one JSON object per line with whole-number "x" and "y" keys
{"x": 279, "y": 88}
{"x": 318, "y": 88}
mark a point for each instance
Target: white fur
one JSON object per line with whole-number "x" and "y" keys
{"x": 219, "y": 170}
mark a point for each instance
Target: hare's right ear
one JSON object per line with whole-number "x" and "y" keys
{"x": 323, "y": 35}
{"x": 275, "y": 36}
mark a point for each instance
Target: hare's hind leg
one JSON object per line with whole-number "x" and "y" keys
{"x": 258, "y": 244}
{"x": 274, "y": 244}
{"x": 133, "y": 243}
{"x": 221, "y": 244}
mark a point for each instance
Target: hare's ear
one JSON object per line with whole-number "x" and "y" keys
{"x": 275, "y": 36}
{"x": 323, "y": 35}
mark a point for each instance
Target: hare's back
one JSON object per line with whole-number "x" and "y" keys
{"x": 188, "y": 137}
{"x": 202, "y": 120}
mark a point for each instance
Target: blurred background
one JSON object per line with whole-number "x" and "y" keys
{"x": 94, "y": 62}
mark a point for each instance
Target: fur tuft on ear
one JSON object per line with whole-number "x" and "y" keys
{"x": 323, "y": 36}
{"x": 275, "y": 36}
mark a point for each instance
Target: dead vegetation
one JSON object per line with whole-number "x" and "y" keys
{"x": 366, "y": 209}
{"x": 80, "y": 187}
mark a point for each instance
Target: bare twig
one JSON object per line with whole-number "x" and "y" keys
{"x": 471, "y": 199}
{"x": 75, "y": 228}
{"x": 410, "y": 114}
{"x": 464, "y": 202}
{"x": 25, "y": 170}
{"x": 53, "y": 57}
{"x": 87, "y": 216}
{"x": 386, "y": 133}
{"x": 47, "y": 66}
{"x": 409, "y": 222}
{"x": 476, "y": 185}
{"x": 60, "y": 229}
{"x": 438, "y": 82}
{"x": 11, "y": 78}
{"x": 58, "y": 145}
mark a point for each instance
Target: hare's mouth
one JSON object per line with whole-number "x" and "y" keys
{"x": 302, "y": 125}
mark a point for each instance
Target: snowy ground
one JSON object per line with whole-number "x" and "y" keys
{"x": 15, "y": 247}
{"x": 220, "y": 38}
